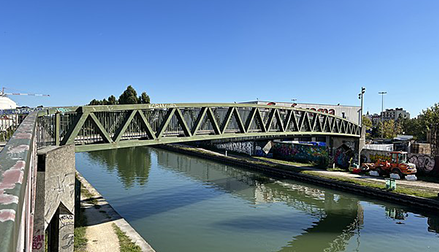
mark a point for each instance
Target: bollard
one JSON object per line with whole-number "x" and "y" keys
{"x": 225, "y": 153}
{"x": 390, "y": 184}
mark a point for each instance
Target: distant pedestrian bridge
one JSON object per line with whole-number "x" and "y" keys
{"x": 106, "y": 127}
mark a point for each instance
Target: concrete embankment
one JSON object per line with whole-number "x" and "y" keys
{"x": 100, "y": 217}
{"x": 284, "y": 171}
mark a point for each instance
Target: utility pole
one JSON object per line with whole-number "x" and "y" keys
{"x": 382, "y": 93}
{"x": 361, "y": 97}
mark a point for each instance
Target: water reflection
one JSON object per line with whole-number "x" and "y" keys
{"x": 132, "y": 164}
{"x": 335, "y": 219}
{"x": 339, "y": 216}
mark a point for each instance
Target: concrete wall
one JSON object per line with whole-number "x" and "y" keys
{"x": 55, "y": 199}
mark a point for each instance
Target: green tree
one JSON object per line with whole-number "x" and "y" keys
{"x": 144, "y": 98}
{"x": 95, "y": 102}
{"x": 392, "y": 129}
{"x": 377, "y": 130}
{"x": 367, "y": 123}
{"x": 112, "y": 100}
{"x": 129, "y": 96}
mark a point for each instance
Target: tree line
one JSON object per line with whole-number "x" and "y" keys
{"x": 129, "y": 96}
{"x": 418, "y": 127}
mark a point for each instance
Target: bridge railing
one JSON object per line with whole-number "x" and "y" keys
{"x": 17, "y": 187}
{"x": 10, "y": 119}
{"x": 103, "y": 127}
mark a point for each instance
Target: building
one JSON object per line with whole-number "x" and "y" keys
{"x": 351, "y": 113}
{"x": 375, "y": 118}
{"x": 6, "y": 103}
{"x": 395, "y": 114}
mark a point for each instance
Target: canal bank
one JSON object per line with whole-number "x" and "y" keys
{"x": 370, "y": 187}
{"x": 104, "y": 225}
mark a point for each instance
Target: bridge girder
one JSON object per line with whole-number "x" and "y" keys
{"x": 93, "y": 128}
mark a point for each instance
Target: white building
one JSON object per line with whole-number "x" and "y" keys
{"x": 6, "y": 103}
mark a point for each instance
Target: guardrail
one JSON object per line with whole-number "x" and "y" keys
{"x": 17, "y": 187}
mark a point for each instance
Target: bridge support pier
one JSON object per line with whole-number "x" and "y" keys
{"x": 55, "y": 199}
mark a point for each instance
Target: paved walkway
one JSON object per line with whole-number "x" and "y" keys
{"x": 100, "y": 218}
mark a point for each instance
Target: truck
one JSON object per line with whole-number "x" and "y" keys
{"x": 398, "y": 164}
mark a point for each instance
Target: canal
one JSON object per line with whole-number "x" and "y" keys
{"x": 183, "y": 203}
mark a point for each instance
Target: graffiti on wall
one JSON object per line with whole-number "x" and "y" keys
{"x": 424, "y": 163}
{"x": 240, "y": 147}
{"x": 342, "y": 156}
{"x": 371, "y": 156}
{"x": 302, "y": 153}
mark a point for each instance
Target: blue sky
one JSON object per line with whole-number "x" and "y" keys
{"x": 316, "y": 51}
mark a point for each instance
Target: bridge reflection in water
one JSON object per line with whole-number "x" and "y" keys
{"x": 335, "y": 218}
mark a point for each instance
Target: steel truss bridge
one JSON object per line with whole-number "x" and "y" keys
{"x": 92, "y": 128}
{"x": 106, "y": 127}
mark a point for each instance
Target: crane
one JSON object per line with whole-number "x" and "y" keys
{"x": 3, "y": 93}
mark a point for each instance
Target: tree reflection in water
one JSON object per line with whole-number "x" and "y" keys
{"x": 132, "y": 164}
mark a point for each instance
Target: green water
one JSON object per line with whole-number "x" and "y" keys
{"x": 182, "y": 203}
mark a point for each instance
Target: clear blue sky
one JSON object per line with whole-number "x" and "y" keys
{"x": 222, "y": 50}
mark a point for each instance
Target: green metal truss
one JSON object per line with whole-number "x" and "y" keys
{"x": 106, "y": 127}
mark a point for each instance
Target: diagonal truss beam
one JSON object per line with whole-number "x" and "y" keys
{"x": 71, "y": 134}
{"x": 200, "y": 118}
{"x": 182, "y": 122}
{"x": 211, "y": 115}
{"x": 148, "y": 127}
{"x": 124, "y": 126}
{"x": 102, "y": 132}
{"x": 165, "y": 122}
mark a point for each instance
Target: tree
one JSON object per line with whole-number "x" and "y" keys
{"x": 112, "y": 100}
{"x": 95, "y": 102}
{"x": 144, "y": 98}
{"x": 367, "y": 123}
{"x": 377, "y": 130}
{"x": 129, "y": 96}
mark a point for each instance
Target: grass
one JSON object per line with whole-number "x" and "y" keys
{"x": 80, "y": 243}
{"x": 284, "y": 162}
{"x": 126, "y": 245}
{"x": 399, "y": 189}
{"x": 88, "y": 195}
{"x": 298, "y": 167}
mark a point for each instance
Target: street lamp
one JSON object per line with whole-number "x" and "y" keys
{"x": 382, "y": 93}
{"x": 361, "y": 97}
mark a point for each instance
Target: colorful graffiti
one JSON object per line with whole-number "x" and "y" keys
{"x": 301, "y": 153}
{"x": 382, "y": 157}
{"x": 342, "y": 156}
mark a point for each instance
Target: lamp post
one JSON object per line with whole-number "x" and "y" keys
{"x": 382, "y": 93}
{"x": 361, "y": 97}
